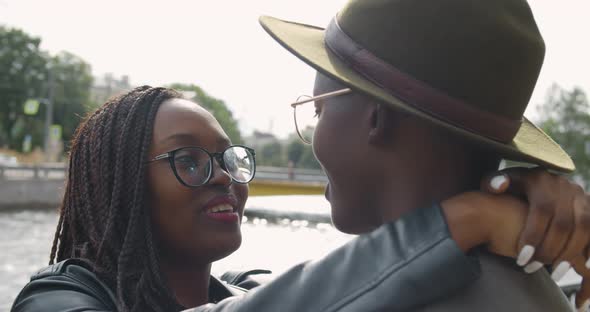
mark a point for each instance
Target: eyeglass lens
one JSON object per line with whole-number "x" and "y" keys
{"x": 306, "y": 119}
{"x": 194, "y": 165}
{"x": 239, "y": 163}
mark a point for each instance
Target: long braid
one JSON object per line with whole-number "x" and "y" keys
{"x": 131, "y": 241}
{"x": 103, "y": 217}
{"x": 56, "y": 236}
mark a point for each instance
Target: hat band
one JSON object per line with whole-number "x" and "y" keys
{"x": 416, "y": 93}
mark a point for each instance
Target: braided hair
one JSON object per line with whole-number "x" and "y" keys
{"x": 104, "y": 219}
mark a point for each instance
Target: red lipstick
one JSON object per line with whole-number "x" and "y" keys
{"x": 222, "y": 209}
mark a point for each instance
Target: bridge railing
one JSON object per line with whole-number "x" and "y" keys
{"x": 58, "y": 171}
{"x": 290, "y": 174}
{"x": 37, "y": 172}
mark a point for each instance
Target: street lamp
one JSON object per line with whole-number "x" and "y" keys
{"x": 31, "y": 107}
{"x": 48, "y": 113}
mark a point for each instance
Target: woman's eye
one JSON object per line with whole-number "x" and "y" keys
{"x": 184, "y": 159}
{"x": 186, "y": 162}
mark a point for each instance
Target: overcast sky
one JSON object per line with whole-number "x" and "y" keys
{"x": 220, "y": 46}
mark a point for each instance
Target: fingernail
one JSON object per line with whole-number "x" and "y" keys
{"x": 560, "y": 270}
{"x": 497, "y": 182}
{"x": 585, "y": 306}
{"x": 525, "y": 255}
{"x": 588, "y": 264}
{"x": 533, "y": 267}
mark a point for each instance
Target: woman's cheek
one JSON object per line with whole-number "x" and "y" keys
{"x": 242, "y": 194}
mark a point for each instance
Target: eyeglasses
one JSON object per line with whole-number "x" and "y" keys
{"x": 306, "y": 116}
{"x": 193, "y": 166}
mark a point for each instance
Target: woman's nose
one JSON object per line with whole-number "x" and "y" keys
{"x": 219, "y": 175}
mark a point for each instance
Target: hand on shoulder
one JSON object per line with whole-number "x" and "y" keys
{"x": 529, "y": 214}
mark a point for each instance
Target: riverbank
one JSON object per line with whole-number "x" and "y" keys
{"x": 41, "y": 186}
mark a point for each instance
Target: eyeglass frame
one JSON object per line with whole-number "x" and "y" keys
{"x": 217, "y": 156}
{"x": 323, "y": 96}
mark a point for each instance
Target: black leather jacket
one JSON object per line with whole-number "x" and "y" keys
{"x": 71, "y": 286}
{"x": 397, "y": 267}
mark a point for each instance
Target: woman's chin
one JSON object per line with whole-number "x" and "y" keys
{"x": 225, "y": 248}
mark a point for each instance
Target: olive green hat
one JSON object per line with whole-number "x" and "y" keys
{"x": 468, "y": 66}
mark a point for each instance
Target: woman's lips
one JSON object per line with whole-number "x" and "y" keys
{"x": 222, "y": 209}
{"x": 225, "y": 217}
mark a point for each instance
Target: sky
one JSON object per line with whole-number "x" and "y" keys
{"x": 220, "y": 46}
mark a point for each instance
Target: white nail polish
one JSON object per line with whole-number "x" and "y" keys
{"x": 560, "y": 270}
{"x": 588, "y": 264}
{"x": 533, "y": 267}
{"x": 525, "y": 255}
{"x": 584, "y": 307}
{"x": 497, "y": 182}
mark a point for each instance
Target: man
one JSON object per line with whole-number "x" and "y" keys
{"x": 384, "y": 157}
{"x": 417, "y": 100}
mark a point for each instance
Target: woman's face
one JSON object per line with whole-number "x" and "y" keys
{"x": 184, "y": 219}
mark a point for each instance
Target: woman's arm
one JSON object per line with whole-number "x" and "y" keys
{"x": 556, "y": 225}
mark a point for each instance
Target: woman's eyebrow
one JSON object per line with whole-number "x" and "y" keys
{"x": 224, "y": 141}
{"x": 179, "y": 137}
{"x": 191, "y": 139}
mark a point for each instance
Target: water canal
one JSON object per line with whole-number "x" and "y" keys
{"x": 277, "y": 245}
{"x": 274, "y": 242}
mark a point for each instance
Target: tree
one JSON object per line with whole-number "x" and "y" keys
{"x": 72, "y": 84}
{"x": 301, "y": 154}
{"x": 295, "y": 150}
{"x": 308, "y": 159}
{"x": 271, "y": 155}
{"x": 30, "y": 73}
{"x": 215, "y": 106}
{"x": 566, "y": 118}
{"x": 23, "y": 73}
{"x": 71, "y": 80}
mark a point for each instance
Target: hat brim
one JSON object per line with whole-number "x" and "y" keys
{"x": 306, "y": 42}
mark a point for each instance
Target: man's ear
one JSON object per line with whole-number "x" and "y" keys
{"x": 381, "y": 120}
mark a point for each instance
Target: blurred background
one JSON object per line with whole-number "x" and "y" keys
{"x": 63, "y": 58}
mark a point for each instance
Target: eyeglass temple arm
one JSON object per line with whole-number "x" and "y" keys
{"x": 161, "y": 156}
{"x": 322, "y": 96}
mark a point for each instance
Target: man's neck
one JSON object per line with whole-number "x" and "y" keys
{"x": 420, "y": 190}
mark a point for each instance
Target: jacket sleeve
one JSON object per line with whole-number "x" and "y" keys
{"x": 399, "y": 266}
{"x": 64, "y": 287}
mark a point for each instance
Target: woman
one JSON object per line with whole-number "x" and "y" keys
{"x": 155, "y": 194}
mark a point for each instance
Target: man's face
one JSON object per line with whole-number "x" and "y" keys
{"x": 341, "y": 145}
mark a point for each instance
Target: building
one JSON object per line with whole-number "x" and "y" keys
{"x": 107, "y": 86}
